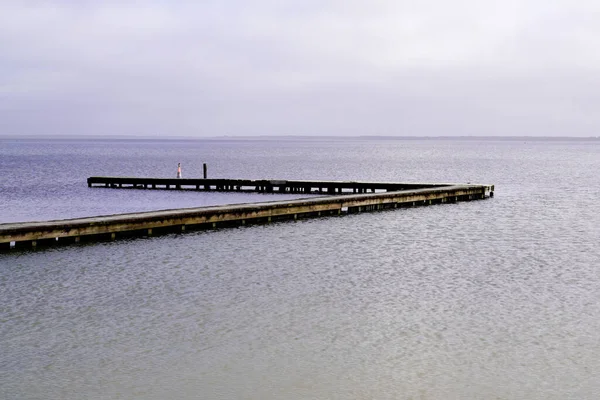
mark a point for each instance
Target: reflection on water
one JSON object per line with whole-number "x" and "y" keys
{"x": 488, "y": 299}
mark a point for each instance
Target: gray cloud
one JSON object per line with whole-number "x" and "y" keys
{"x": 300, "y": 67}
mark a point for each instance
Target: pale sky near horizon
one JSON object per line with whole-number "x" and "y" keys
{"x": 337, "y": 67}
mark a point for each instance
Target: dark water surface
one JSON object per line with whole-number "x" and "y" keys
{"x": 495, "y": 299}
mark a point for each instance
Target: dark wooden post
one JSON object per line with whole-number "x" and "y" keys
{"x": 205, "y": 170}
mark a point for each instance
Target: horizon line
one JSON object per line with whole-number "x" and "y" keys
{"x": 290, "y": 137}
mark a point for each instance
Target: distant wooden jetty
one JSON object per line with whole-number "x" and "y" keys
{"x": 341, "y": 198}
{"x": 260, "y": 185}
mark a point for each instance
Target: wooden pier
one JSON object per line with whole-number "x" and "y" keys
{"x": 343, "y": 198}
{"x": 259, "y": 186}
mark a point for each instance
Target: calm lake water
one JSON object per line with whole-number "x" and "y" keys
{"x": 494, "y": 299}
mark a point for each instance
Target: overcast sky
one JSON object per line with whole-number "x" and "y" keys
{"x": 326, "y": 67}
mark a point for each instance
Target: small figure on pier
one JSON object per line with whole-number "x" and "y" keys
{"x": 178, "y": 170}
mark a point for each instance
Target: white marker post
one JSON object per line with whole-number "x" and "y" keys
{"x": 178, "y": 170}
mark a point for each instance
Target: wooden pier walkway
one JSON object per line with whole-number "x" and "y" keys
{"x": 260, "y": 186}
{"x": 349, "y": 197}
